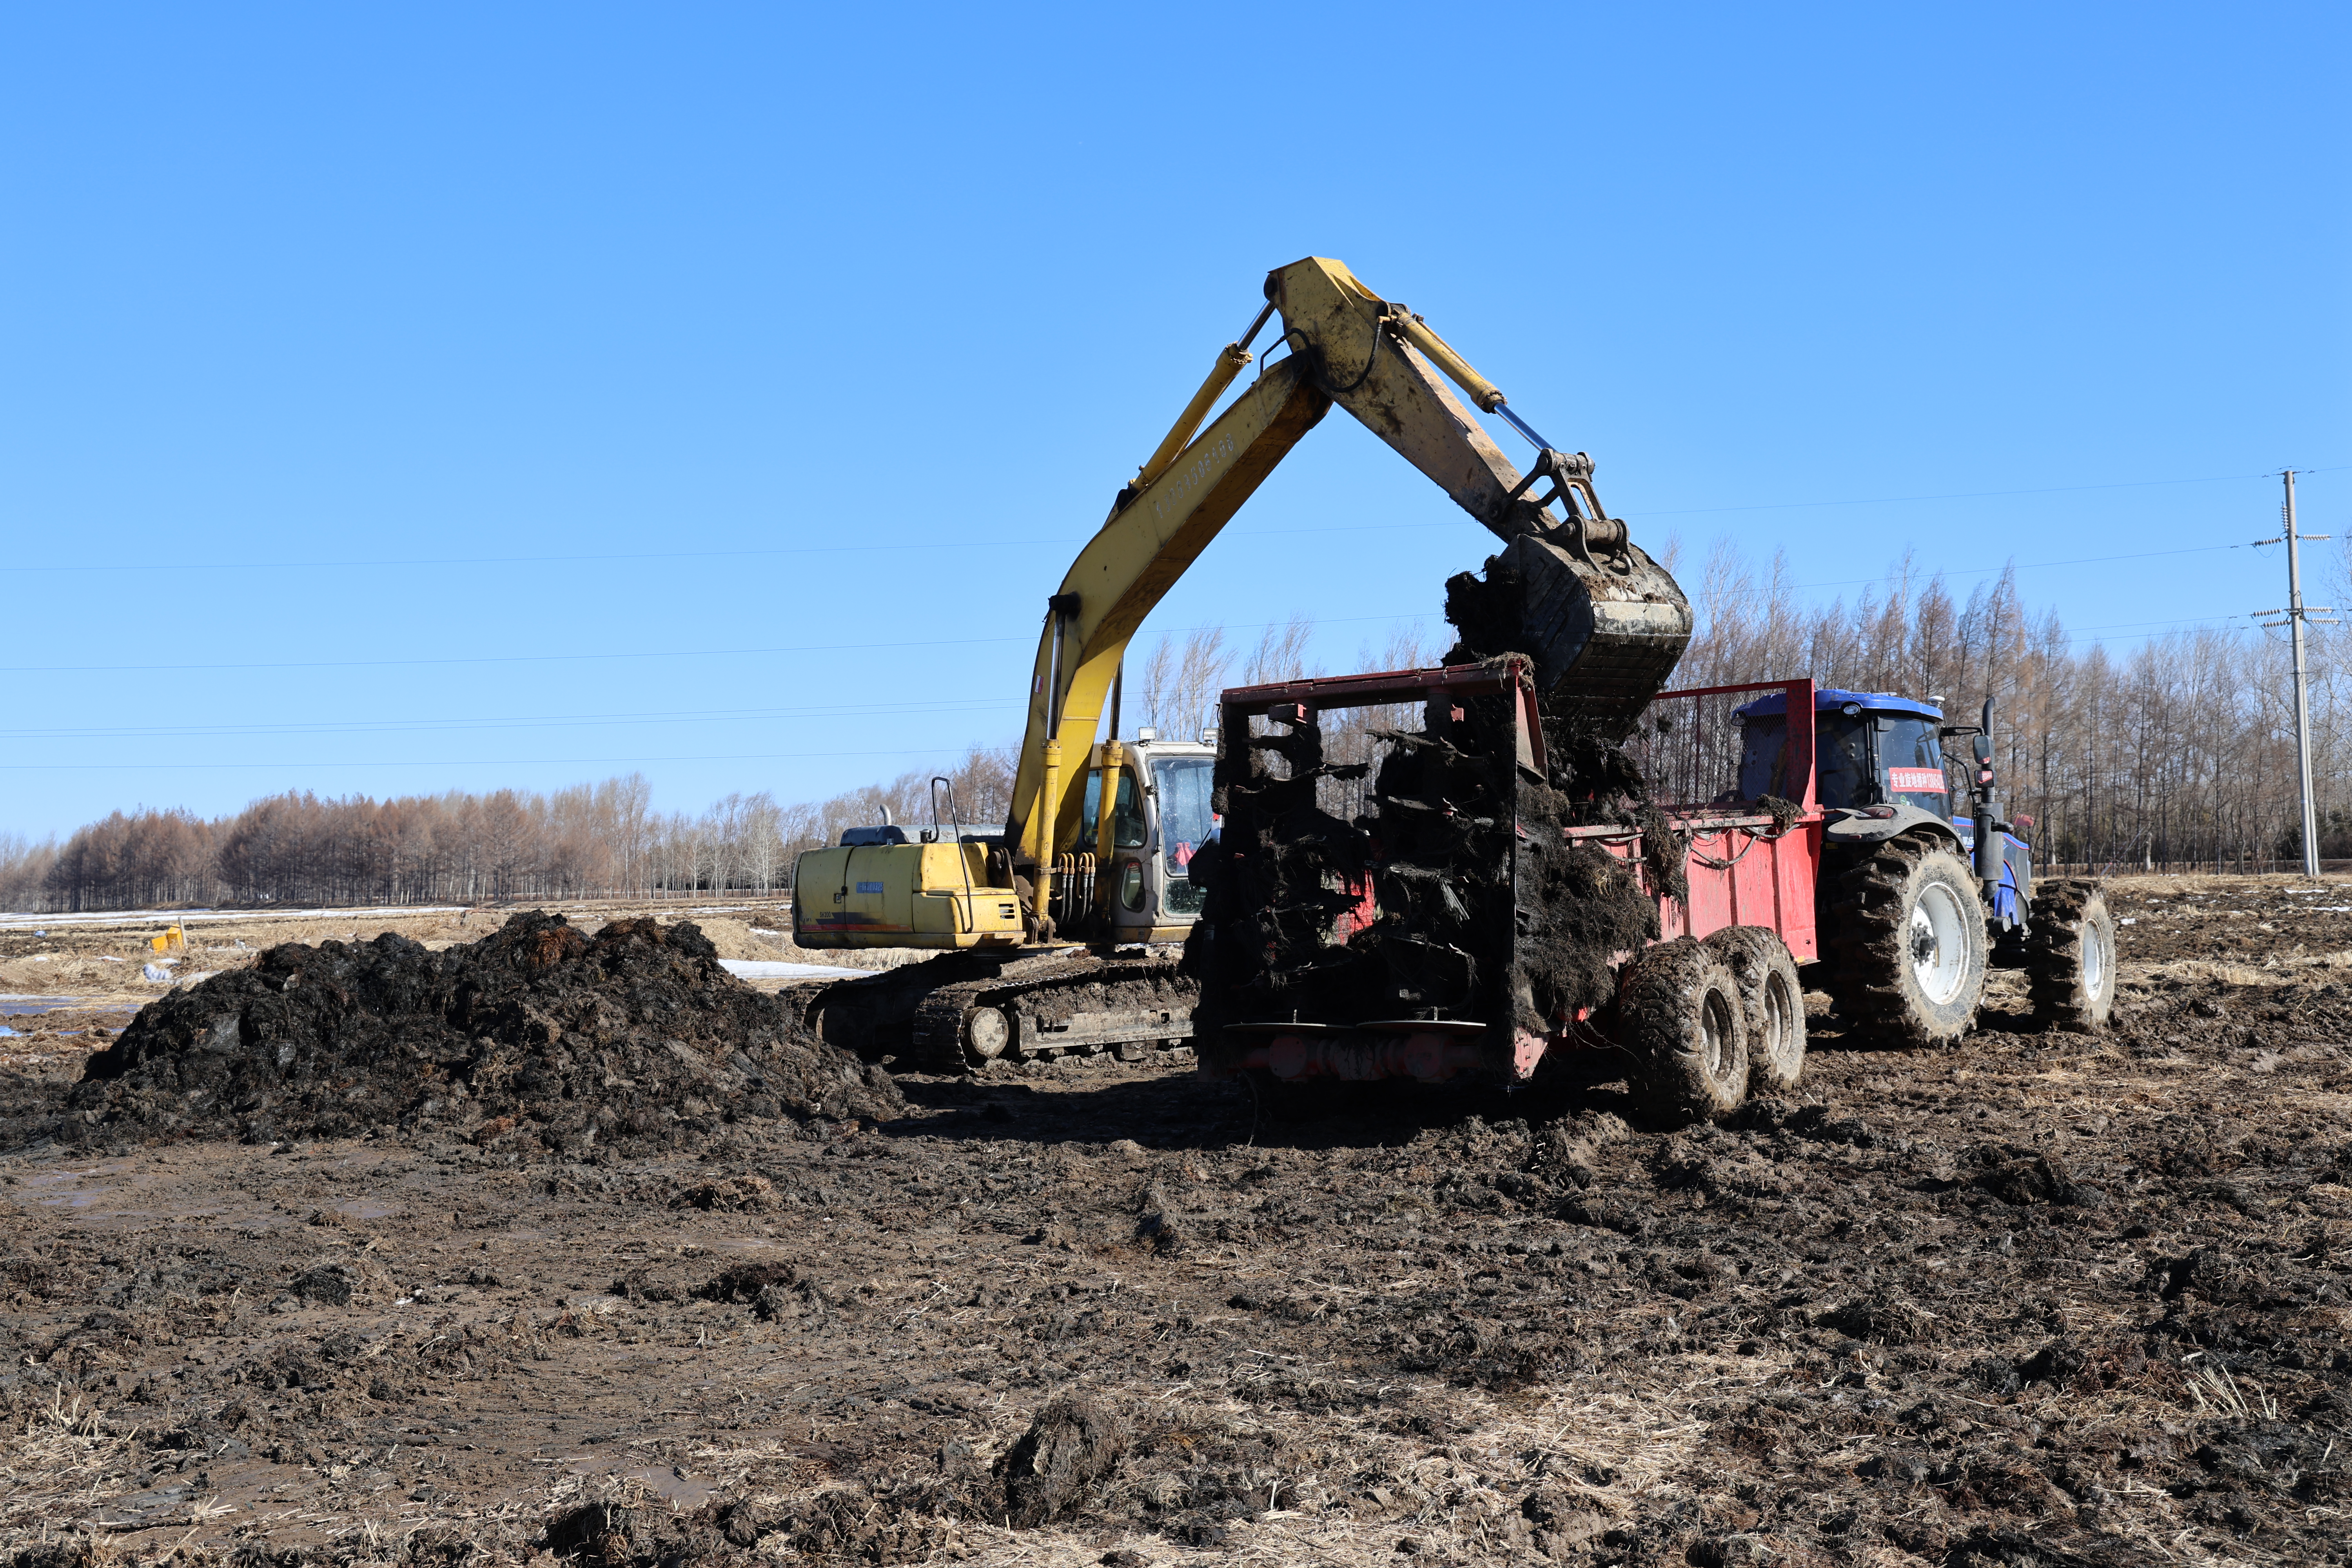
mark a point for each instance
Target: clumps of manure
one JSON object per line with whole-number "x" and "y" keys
{"x": 1071, "y": 1445}
{"x": 1459, "y": 893}
{"x": 633, "y": 1040}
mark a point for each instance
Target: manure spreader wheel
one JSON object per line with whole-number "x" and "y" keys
{"x": 1685, "y": 1023}
{"x": 1775, "y": 1000}
{"x": 1906, "y": 936}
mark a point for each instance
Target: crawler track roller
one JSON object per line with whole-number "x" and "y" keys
{"x": 1043, "y": 1009}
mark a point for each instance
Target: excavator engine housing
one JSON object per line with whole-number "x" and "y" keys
{"x": 901, "y": 895}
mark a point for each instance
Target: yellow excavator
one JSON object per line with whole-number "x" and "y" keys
{"x": 1058, "y": 933}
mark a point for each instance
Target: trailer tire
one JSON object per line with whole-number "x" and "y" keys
{"x": 2070, "y": 957}
{"x": 1685, "y": 1023}
{"x": 1907, "y": 943}
{"x": 1776, "y": 1004}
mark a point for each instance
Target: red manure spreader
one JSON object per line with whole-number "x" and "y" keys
{"x": 1511, "y": 888}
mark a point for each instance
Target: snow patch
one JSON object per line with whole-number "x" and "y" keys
{"x": 762, "y": 969}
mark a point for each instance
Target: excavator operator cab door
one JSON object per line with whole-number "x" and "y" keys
{"x": 1130, "y": 836}
{"x": 1180, "y": 785}
{"x": 1160, "y": 817}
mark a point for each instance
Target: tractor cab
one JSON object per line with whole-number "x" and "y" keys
{"x": 1879, "y": 754}
{"x": 1876, "y": 749}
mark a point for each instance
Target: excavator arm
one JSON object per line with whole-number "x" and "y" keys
{"x": 1604, "y": 622}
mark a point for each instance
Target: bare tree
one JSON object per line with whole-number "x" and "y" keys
{"x": 762, "y": 839}
{"x": 24, "y": 866}
{"x": 1181, "y": 679}
{"x": 1281, "y": 652}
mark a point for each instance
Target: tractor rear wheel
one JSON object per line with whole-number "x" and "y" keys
{"x": 1907, "y": 943}
{"x": 1683, "y": 1017}
{"x": 1776, "y": 1003}
{"x": 2070, "y": 957}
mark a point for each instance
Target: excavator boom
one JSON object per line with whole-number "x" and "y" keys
{"x": 1604, "y": 623}
{"x": 1125, "y": 570}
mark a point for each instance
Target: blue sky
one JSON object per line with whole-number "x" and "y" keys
{"x": 643, "y": 337}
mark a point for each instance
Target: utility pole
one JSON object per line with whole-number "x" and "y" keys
{"x": 2296, "y": 612}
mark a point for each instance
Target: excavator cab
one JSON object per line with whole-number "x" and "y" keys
{"x": 1141, "y": 890}
{"x": 946, "y": 887}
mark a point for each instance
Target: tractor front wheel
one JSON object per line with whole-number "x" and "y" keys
{"x": 2070, "y": 958}
{"x": 1685, "y": 1023}
{"x": 1906, "y": 935}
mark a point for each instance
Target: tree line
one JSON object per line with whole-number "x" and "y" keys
{"x": 2178, "y": 754}
{"x": 592, "y": 840}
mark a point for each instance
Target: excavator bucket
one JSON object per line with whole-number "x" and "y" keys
{"x": 1604, "y": 624}
{"x": 1605, "y": 642}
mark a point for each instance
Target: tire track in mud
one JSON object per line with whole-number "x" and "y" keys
{"x": 2041, "y": 1299}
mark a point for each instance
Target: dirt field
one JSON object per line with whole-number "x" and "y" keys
{"x": 2044, "y": 1299}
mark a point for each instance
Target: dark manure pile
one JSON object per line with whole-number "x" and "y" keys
{"x": 633, "y": 1040}
{"x": 1481, "y": 907}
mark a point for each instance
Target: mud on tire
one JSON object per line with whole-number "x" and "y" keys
{"x": 1906, "y": 932}
{"x": 2070, "y": 957}
{"x": 1685, "y": 1021}
{"x": 1776, "y": 1003}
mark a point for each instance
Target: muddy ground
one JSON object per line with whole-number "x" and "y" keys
{"x": 2045, "y": 1298}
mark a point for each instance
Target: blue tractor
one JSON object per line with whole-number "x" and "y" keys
{"x": 1919, "y": 899}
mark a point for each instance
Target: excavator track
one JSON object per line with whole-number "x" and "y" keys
{"x": 938, "y": 1044}
{"x": 941, "y": 1017}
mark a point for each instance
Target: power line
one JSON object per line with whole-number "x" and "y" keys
{"x": 2024, "y": 565}
{"x": 691, "y": 716}
{"x": 377, "y": 564}
{"x": 666, "y": 653}
{"x": 2194, "y": 623}
{"x": 1066, "y": 540}
{"x": 2182, "y": 621}
{"x": 481, "y": 762}
{"x": 521, "y": 721}
{"x": 1971, "y": 495}
{"x": 501, "y": 658}
{"x": 973, "y": 642}
{"x": 925, "y": 547}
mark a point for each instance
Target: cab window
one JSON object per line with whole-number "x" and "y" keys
{"x": 1841, "y": 750}
{"x": 1186, "y": 819}
{"x": 1911, "y": 741}
{"x": 1127, "y": 813}
{"x": 1760, "y": 757}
